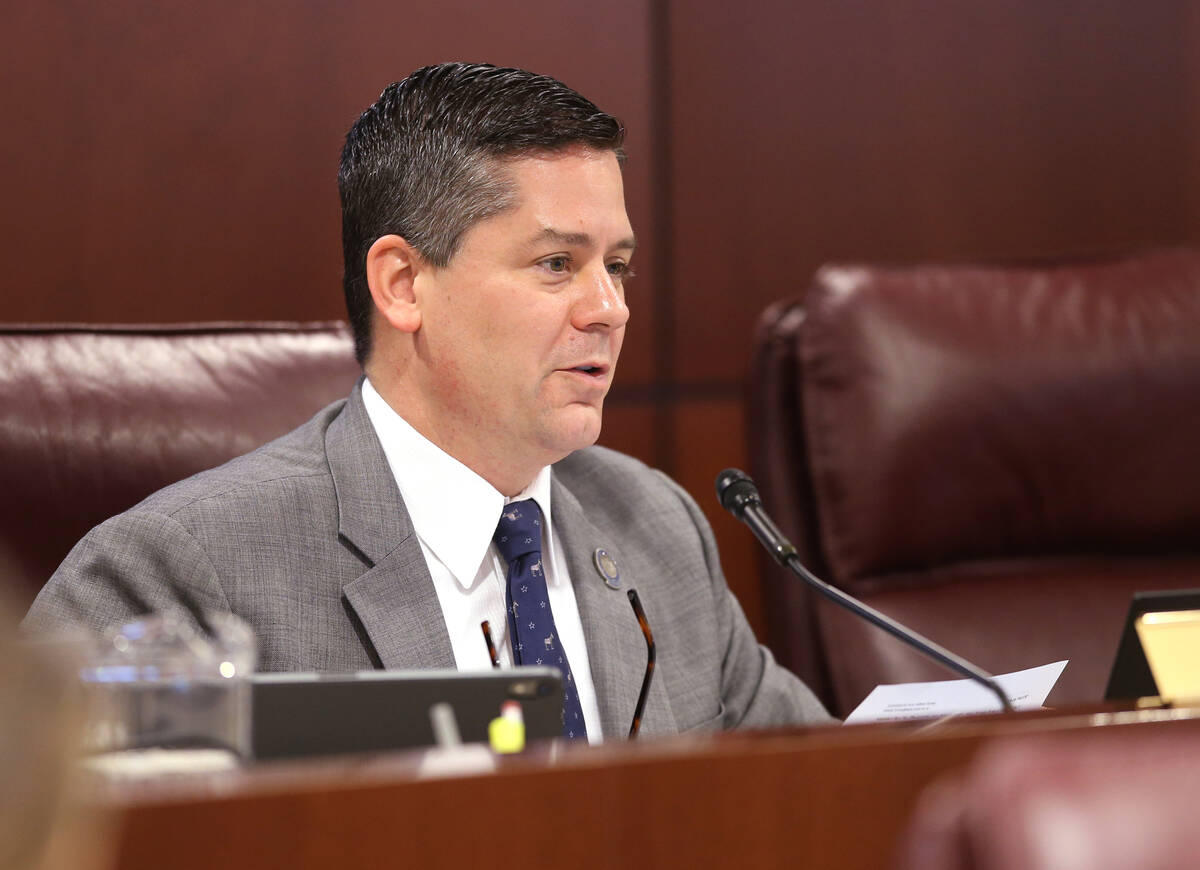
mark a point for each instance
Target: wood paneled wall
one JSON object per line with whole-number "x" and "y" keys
{"x": 802, "y": 133}
{"x": 176, "y": 162}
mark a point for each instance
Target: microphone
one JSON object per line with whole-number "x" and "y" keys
{"x": 738, "y": 495}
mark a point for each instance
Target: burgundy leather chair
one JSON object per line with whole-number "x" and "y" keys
{"x": 93, "y": 418}
{"x": 997, "y": 456}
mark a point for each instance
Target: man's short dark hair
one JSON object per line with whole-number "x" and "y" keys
{"x": 425, "y": 161}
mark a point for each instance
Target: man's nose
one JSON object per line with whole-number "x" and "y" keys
{"x": 602, "y": 301}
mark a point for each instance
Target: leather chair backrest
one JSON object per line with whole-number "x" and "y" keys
{"x": 912, "y": 422}
{"x": 93, "y": 419}
{"x": 967, "y": 413}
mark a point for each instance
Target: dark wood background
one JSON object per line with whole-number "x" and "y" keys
{"x": 176, "y": 161}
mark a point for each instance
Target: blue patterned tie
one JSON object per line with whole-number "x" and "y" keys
{"x": 534, "y": 637}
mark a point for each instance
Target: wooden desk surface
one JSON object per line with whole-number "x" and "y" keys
{"x": 831, "y": 797}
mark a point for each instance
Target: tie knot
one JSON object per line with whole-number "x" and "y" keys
{"x": 520, "y": 530}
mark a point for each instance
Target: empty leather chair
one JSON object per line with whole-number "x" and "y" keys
{"x": 997, "y": 456}
{"x": 93, "y": 419}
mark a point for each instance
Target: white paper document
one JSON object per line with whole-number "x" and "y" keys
{"x": 1026, "y": 690}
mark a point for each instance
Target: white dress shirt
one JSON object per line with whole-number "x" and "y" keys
{"x": 455, "y": 513}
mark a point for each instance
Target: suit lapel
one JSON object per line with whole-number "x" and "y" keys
{"x": 394, "y": 599}
{"x": 616, "y": 648}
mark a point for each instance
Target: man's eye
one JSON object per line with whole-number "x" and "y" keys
{"x": 619, "y": 270}
{"x": 557, "y": 264}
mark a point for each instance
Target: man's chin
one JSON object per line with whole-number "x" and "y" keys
{"x": 578, "y": 428}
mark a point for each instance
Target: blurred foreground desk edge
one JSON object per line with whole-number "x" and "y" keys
{"x": 831, "y": 797}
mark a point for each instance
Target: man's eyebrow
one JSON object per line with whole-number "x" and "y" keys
{"x": 550, "y": 234}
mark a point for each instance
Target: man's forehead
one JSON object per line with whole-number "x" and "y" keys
{"x": 543, "y": 155}
{"x": 577, "y": 162}
{"x": 579, "y": 239}
{"x": 572, "y": 197}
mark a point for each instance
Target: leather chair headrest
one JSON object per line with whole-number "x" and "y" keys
{"x": 966, "y": 413}
{"x": 96, "y": 418}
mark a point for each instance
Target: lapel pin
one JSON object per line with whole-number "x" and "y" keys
{"x": 606, "y": 567}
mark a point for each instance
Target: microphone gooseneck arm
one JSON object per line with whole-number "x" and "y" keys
{"x": 739, "y": 496}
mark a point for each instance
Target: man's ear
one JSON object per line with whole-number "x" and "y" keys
{"x": 392, "y": 266}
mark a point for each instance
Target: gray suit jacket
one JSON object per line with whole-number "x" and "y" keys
{"x": 307, "y": 539}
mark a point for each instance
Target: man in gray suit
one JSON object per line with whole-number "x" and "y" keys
{"x": 486, "y": 249}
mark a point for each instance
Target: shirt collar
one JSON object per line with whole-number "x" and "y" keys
{"x": 453, "y": 510}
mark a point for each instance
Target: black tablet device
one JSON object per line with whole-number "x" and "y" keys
{"x": 307, "y": 714}
{"x": 1131, "y": 677}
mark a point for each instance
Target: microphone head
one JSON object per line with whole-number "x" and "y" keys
{"x": 736, "y": 491}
